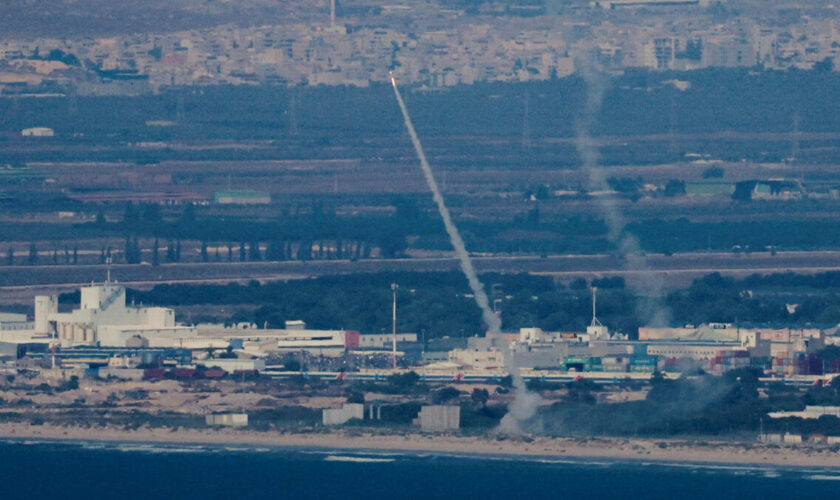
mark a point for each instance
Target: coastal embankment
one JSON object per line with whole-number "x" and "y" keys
{"x": 622, "y": 449}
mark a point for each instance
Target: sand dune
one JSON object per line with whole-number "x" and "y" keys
{"x": 548, "y": 447}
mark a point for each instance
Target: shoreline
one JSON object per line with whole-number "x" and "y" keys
{"x": 631, "y": 450}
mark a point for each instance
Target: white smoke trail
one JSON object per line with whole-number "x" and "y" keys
{"x": 525, "y": 404}
{"x": 491, "y": 320}
{"x": 651, "y": 285}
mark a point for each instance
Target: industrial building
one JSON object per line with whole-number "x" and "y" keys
{"x": 295, "y": 337}
{"x": 104, "y": 319}
{"x": 340, "y": 416}
{"x": 227, "y": 419}
{"x": 320, "y": 342}
{"x": 384, "y": 340}
{"x": 810, "y": 412}
{"x": 161, "y": 198}
{"x": 439, "y": 418}
{"x": 232, "y": 365}
{"x": 104, "y": 331}
{"x": 615, "y": 4}
{"x": 12, "y": 322}
{"x": 37, "y": 132}
{"x": 242, "y": 197}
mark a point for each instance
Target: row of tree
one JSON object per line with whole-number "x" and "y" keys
{"x": 133, "y": 252}
{"x": 440, "y": 304}
{"x": 65, "y": 256}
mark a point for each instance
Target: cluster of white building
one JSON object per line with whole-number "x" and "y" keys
{"x": 105, "y": 320}
{"x": 715, "y": 348}
{"x": 429, "y": 47}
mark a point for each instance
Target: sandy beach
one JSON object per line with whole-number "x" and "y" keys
{"x": 648, "y": 450}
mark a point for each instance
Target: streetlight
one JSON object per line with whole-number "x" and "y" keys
{"x": 394, "y": 288}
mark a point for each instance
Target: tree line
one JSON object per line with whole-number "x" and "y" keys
{"x": 317, "y": 232}
{"x": 437, "y": 304}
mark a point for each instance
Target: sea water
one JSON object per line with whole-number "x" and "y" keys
{"x": 44, "y": 469}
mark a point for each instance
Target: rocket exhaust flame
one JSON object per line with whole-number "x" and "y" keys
{"x": 525, "y": 404}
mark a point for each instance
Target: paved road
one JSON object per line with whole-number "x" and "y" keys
{"x": 19, "y": 283}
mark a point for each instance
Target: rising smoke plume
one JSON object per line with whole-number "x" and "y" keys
{"x": 525, "y": 404}
{"x": 646, "y": 282}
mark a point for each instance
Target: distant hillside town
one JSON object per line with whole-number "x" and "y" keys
{"x": 429, "y": 44}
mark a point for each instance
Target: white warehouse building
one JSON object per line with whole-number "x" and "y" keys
{"x": 37, "y": 132}
{"x": 104, "y": 319}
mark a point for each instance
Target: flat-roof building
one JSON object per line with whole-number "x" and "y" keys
{"x": 37, "y": 132}
{"x": 242, "y": 197}
{"x": 103, "y": 319}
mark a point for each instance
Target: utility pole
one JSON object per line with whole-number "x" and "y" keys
{"x": 180, "y": 108}
{"x": 293, "y": 125}
{"x": 394, "y": 288}
{"x": 595, "y": 320}
{"x": 526, "y": 128}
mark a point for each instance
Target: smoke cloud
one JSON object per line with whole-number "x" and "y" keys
{"x": 525, "y": 404}
{"x": 648, "y": 283}
{"x": 689, "y": 403}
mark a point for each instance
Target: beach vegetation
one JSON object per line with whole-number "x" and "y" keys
{"x": 480, "y": 396}
{"x": 445, "y": 395}
{"x": 70, "y": 385}
{"x": 481, "y": 418}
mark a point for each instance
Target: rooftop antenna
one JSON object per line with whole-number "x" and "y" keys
{"x": 72, "y": 104}
{"x": 672, "y": 123}
{"x": 293, "y": 126}
{"x": 332, "y": 13}
{"x": 595, "y": 321}
{"x": 526, "y": 128}
{"x": 108, "y": 263}
{"x": 180, "y": 108}
{"x": 394, "y": 288}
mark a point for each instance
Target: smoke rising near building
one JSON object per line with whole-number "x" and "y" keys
{"x": 525, "y": 404}
{"x": 652, "y": 312}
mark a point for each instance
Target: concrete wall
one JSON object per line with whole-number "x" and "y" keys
{"x": 121, "y": 373}
{"x": 232, "y": 365}
{"x": 791, "y": 438}
{"x": 383, "y": 341}
{"x": 159, "y": 317}
{"x": 228, "y": 419}
{"x": 339, "y": 416}
{"x": 438, "y": 418}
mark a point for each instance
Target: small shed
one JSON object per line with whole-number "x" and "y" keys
{"x": 37, "y": 132}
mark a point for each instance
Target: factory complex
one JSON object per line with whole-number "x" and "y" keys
{"x": 106, "y": 337}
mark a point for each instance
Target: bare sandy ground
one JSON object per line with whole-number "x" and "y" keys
{"x": 545, "y": 447}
